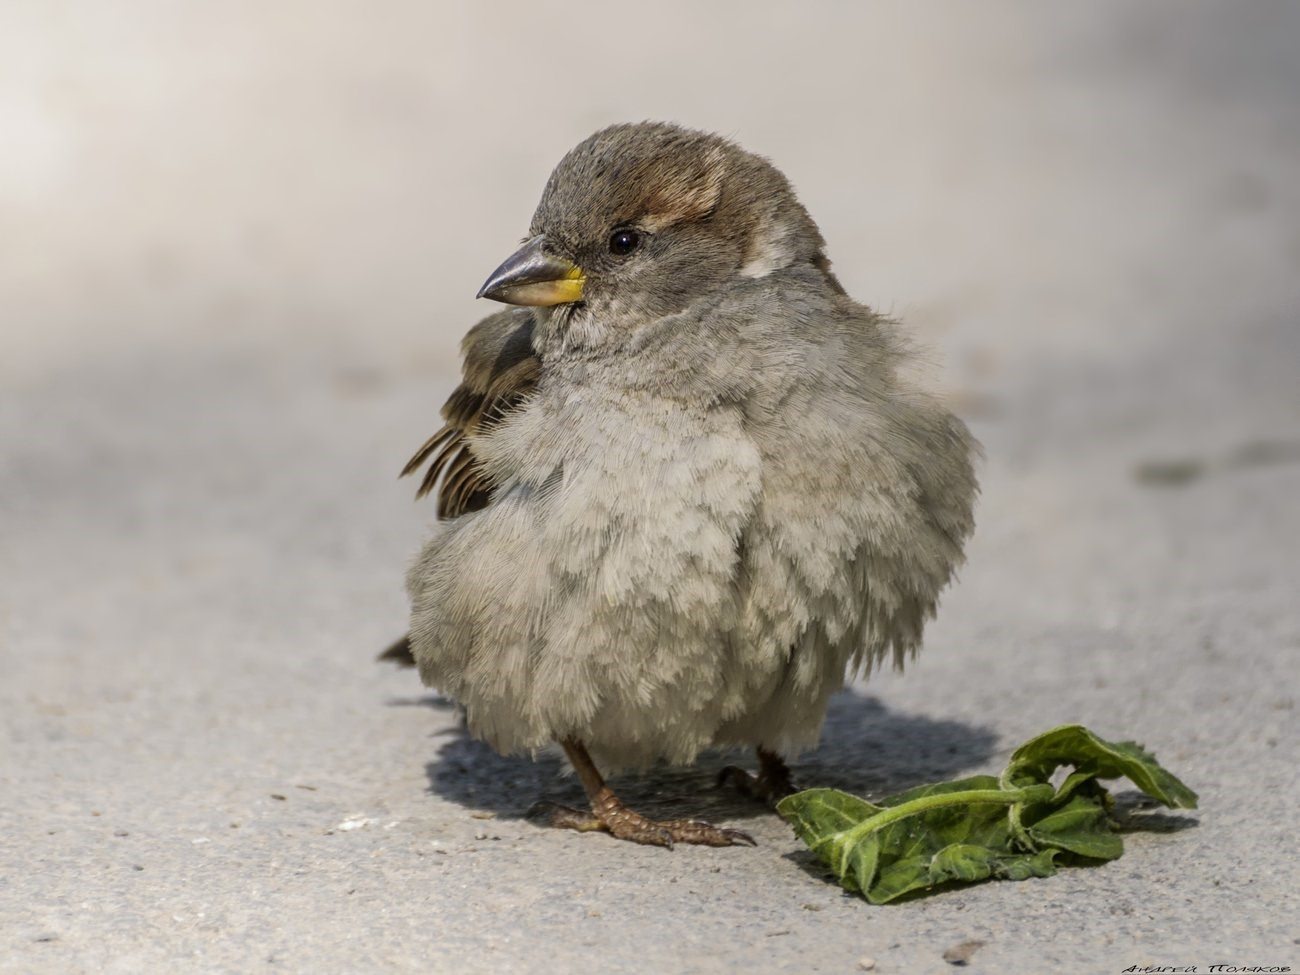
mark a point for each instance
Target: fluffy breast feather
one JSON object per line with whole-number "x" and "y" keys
{"x": 594, "y": 595}
{"x": 693, "y": 542}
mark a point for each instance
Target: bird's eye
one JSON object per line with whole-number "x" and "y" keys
{"x": 624, "y": 242}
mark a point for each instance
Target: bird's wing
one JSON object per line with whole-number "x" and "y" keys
{"x": 500, "y": 370}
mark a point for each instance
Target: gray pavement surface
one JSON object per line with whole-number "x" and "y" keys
{"x": 238, "y": 246}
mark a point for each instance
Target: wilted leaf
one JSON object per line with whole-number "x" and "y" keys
{"x": 1094, "y": 757}
{"x": 819, "y": 816}
{"x": 1012, "y": 827}
{"x": 1081, "y": 826}
{"x": 964, "y": 841}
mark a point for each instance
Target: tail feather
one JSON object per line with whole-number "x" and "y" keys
{"x": 399, "y": 653}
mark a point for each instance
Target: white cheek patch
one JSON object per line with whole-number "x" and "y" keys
{"x": 771, "y": 250}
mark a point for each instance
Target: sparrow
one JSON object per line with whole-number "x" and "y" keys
{"x": 684, "y": 489}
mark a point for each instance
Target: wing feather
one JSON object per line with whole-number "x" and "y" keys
{"x": 499, "y": 373}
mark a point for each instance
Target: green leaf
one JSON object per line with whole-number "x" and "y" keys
{"x": 959, "y": 862}
{"x": 971, "y": 782}
{"x": 1011, "y": 827}
{"x": 1081, "y": 826}
{"x": 957, "y": 842}
{"x": 969, "y": 839}
{"x": 1094, "y": 757}
{"x": 1042, "y": 864}
{"x": 1072, "y": 781}
{"x": 819, "y": 816}
{"x": 963, "y": 861}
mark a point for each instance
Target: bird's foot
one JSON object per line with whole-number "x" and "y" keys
{"x": 611, "y": 816}
{"x": 772, "y": 783}
{"x": 553, "y": 814}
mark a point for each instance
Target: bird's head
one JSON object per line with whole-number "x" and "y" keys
{"x": 641, "y": 220}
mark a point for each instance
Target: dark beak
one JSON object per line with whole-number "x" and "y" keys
{"x": 530, "y": 276}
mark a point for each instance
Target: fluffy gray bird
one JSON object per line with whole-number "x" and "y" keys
{"x": 684, "y": 489}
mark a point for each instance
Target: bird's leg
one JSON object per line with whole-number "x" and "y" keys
{"x": 609, "y": 814}
{"x": 772, "y": 784}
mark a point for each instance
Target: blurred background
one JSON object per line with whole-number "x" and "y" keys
{"x": 239, "y": 243}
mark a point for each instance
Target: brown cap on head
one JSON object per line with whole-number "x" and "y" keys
{"x": 656, "y": 175}
{"x": 641, "y": 220}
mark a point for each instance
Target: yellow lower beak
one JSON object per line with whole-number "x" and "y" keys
{"x": 531, "y": 276}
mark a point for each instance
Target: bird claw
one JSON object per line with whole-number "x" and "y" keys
{"x": 723, "y": 836}
{"x": 771, "y": 785}
{"x": 737, "y": 778}
{"x": 553, "y": 814}
{"x": 624, "y": 824}
{"x": 637, "y": 829}
{"x": 627, "y": 825}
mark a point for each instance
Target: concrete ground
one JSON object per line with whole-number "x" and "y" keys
{"x": 238, "y": 245}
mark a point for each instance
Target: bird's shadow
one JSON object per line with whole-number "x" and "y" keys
{"x": 866, "y": 749}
